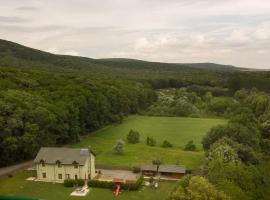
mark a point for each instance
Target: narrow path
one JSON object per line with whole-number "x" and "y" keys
{"x": 13, "y": 168}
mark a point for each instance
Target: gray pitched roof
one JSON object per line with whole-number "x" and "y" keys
{"x": 65, "y": 155}
{"x": 172, "y": 169}
{"x": 165, "y": 168}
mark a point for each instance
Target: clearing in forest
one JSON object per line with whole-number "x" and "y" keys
{"x": 176, "y": 130}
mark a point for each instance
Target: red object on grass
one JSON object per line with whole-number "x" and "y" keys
{"x": 117, "y": 190}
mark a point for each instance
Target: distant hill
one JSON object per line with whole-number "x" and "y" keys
{"x": 206, "y": 66}
{"x": 16, "y": 55}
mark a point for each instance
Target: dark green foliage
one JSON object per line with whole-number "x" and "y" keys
{"x": 70, "y": 183}
{"x": 80, "y": 182}
{"x": 54, "y": 109}
{"x": 190, "y": 146}
{"x": 150, "y": 141}
{"x": 236, "y": 132}
{"x": 133, "y": 186}
{"x": 133, "y": 137}
{"x": 136, "y": 169}
{"x": 198, "y": 188}
{"x": 222, "y": 105}
{"x": 157, "y": 163}
{"x": 110, "y": 185}
{"x": 119, "y": 147}
{"x": 166, "y": 144}
{"x": 265, "y": 144}
{"x": 101, "y": 184}
{"x": 184, "y": 182}
{"x": 151, "y": 179}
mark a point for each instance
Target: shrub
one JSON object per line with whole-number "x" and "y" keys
{"x": 265, "y": 144}
{"x": 190, "y": 146}
{"x": 136, "y": 169}
{"x": 166, "y": 144}
{"x": 151, "y": 179}
{"x": 69, "y": 183}
{"x": 119, "y": 147}
{"x": 10, "y": 175}
{"x": 135, "y": 186}
{"x": 124, "y": 186}
{"x": 151, "y": 141}
{"x": 133, "y": 137}
{"x": 80, "y": 182}
{"x": 100, "y": 184}
{"x": 72, "y": 182}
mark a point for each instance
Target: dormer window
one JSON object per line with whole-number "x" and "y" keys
{"x": 58, "y": 164}
{"x": 75, "y": 164}
{"x": 42, "y": 162}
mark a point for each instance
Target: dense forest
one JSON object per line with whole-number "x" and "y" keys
{"x": 48, "y": 99}
{"x": 41, "y": 109}
{"x": 236, "y": 154}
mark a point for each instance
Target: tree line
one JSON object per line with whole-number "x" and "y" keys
{"x": 236, "y": 154}
{"x": 47, "y": 109}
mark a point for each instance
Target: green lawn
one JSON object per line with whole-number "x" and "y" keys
{"x": 18, "y": 186}
{"x": 174, "y": 129}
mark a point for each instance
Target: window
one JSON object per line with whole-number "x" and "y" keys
{"x": 42, "y": 163}
{"x": 75, "y": 164}
{"x": 67, "y": 176}
{"x": 76, "y": 177}
{"x": 58, "y": 164}
{"x": 59, "y": 176}
{"x": 44, "y": 175}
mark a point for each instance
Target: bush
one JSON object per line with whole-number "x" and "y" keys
{"x": 136, "y": 169}
{"x": 151, "y": 141}
{"x": 134, "y": 186}
{"x": 166, "y": 144}
{"x": 151, "y": 179}
{"x": 133, "y": 137}
{"x": 70, "y": 183}
{"x": 265, "y": 144}
{"x": 119, "y": 147}
{"x": 190, "y": 146}
{"x": 100, "y": 184}
{"x": 80, "y": 182}
{"x": 124, "y": 186}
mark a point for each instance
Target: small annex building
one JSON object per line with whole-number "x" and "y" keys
{"x": 55, "y": 164}
{"x": 170, "y": 171}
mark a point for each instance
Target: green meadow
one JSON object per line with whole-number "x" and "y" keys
{"x": 176, "y": 130}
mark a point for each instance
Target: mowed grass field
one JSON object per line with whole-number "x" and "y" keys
{"x": 18, "y": 186}
{"x": 176, "y": 130}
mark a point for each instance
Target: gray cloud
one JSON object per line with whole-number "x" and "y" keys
{"x": 9, "y": 19}
{"x": 231, "y": 32}
{"x": 27, "y": 8}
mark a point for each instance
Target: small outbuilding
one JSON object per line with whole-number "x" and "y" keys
{"x": 170, "y": 171}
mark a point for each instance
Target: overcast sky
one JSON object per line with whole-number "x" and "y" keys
{"x": 233, "y": 32}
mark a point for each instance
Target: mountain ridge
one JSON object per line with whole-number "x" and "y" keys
{"x": 11, "y": 50}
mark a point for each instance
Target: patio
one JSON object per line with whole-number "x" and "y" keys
{"x": 111, "y": 175}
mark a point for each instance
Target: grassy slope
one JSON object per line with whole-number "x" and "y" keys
{"x": 18, "y": 186}
{"x": 174, "y": 129}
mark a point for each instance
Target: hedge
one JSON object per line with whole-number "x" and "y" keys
{"x": 72, "y": 182}
{"x": 110, "y": 185}
{"x": 100, "y": 184}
